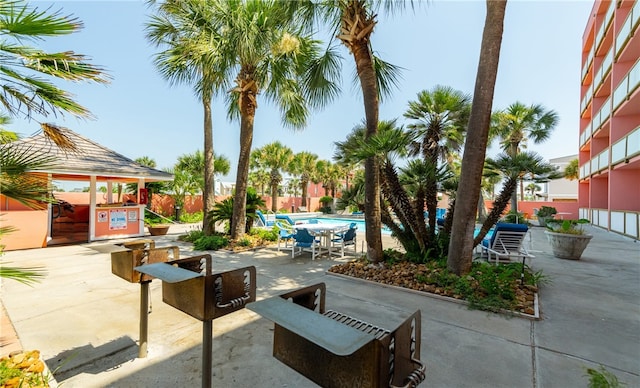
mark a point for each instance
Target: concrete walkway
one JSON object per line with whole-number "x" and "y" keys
{"x": 85, "y": 321}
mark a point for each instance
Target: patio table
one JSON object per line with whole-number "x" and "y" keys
{"x": 325, "y": 231}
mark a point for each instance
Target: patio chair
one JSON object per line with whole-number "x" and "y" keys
{"x": 347, "y": 237}
{"x": 304, "y": 240}
{"x": 285, "y": 232}
{"x": 507, "y": 242}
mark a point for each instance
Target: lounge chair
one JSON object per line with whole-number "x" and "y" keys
{"x": 344, "y": 238}
{"x": 507, "y": 242}
{"x": 305, "y": 241}
{"x": 263, "y": 220}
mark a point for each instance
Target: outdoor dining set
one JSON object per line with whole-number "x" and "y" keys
{"x": 317, "y": 238}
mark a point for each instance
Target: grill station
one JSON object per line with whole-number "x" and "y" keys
{"x": 190, "y": 286}
{"x": 123, "y": 264}
{"x": 336, "y": 350}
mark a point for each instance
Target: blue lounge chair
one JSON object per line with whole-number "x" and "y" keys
{"x": 507, "y": 242}
{"x": 263, "y": 220}
{"x": 305, "y": 241}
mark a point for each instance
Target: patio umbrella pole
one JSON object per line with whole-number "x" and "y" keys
{"x": 144, "y": 318}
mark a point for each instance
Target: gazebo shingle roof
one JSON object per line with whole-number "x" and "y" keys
{"x": 90, "y": 159}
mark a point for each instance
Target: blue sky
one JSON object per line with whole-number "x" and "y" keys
{"x": 140, "y": 114}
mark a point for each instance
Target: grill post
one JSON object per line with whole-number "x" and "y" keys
{"x": 144, "y": 318}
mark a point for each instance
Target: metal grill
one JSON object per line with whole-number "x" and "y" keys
{"x": 363, "y": 326}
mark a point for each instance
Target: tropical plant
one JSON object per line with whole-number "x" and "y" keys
{"x": 304, "y": 164}
{"x": 353, "y": 22}
{"x": 223, "y": 210}
{"x": 572, "y": 171}
{"x": 274, "y": 157}
{"x": 512, "y": 168}
{"x": 546, "y": 212}
{"x": 189, "y": 40}
{"x": 518, "y": 123}
{"x": 439, "y": 119}
{"x": 194, "y": 164}
{"x": 266, "y": 46}
{"x": 567, "y": 226}
{"x": 259, "y": 179}
{"x": 153, "y": 187}
{"x": 24, "y": 92}
{"x": 460, "y": 252}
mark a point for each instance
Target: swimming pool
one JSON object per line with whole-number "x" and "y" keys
{"x": 342, "y": 221}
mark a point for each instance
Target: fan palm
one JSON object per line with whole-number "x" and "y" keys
{"x": 267, "y": 49}
{"x": 189, "y": 42}
{"x": 440, "y": 117}
{"x": 518, "y": 123}
{"x": 304, "y": 164}
{"x": 22, "y": 89}
{"x": 275, "y": 157}
{"x": 353, "y": 22}
{"x": 512, "y": 169}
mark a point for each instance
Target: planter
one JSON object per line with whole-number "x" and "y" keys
{"x": 542, "y": 221}
{"x": 158, "y": 230}
{"x": 568, "y": 246}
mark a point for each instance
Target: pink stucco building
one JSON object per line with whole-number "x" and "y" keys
{"x": 609, "y": 145}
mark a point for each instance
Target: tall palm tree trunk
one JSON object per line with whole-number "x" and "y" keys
{"x": 461, "y": 243}
{"x": 209, "y": 172}
{"x": 238, "y": 222}
{"x": 373, "y": 228}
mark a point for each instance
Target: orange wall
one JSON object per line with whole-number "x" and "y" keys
{"x": 31, "y": 228}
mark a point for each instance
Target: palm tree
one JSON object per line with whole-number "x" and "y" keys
{"x": 354, "y": 22}
{"x": 189, "y": 40}
{"x": 440, "y": 118}
{"x": 512, "y": 169}
{"x": 518, "y": 123}
{"x": 259, "y": 178}
{"x": 572, "y": 171}
{"x": 304, "y": 164}
{"x": 460, "y": 253}
{"x": 195, "y": 164}
{"x": 23, "y": 91}
{"x": 265, "y": 46}
{"x": 275, "y": 157}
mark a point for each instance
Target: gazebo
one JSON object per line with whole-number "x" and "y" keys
{"x": 82, "y": 219}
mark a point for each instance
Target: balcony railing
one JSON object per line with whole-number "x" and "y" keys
{"x": 586, "y": 99}
{"x": 605, "y": 24}
{"x": 587, "y": 63}
{"x": 628, "y": 27}
{"x": 604, "y": 69}
{"x": 627, "y": 86}
{"x": 626, "y": 148}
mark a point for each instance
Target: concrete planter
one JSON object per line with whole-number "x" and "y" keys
{"x": 568, "y": 246}
{"x": 158, "y": 230}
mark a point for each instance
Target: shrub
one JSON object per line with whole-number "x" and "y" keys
{"x": 210, "y": 243}
{"x": 265, "y": 234}
{"x": 191, "y": 218}
{"x": 192, "y": 235}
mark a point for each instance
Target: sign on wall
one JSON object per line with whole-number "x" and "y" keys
{"x": 117, "y": 219}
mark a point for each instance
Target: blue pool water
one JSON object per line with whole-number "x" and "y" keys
{"x": 344, "y": 221}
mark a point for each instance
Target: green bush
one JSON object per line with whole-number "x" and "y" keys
{"x": 210, "y": 243}
{"x": 192, "y": 235}
{"x": 265, "y": 234}
{"x": 191, "y": 218}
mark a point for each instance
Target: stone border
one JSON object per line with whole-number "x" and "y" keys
{"x": 535, "y": 316}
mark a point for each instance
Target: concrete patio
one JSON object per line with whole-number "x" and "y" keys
{"x": 85, "y": 321}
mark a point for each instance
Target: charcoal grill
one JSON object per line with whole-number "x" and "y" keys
{"x": 190, "y": 286}
{"x": 123, "y": 264}
{"x": 336, "y": 350}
